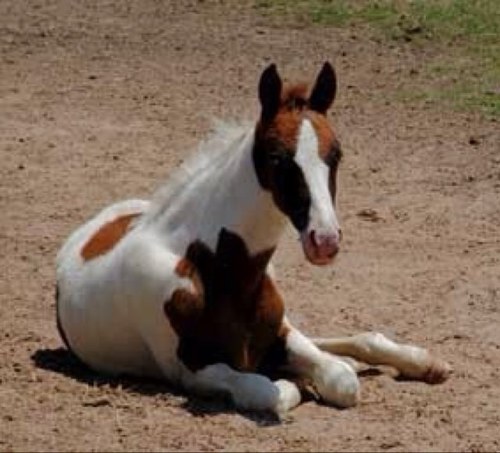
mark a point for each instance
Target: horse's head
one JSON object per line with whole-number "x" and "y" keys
{"x": 296, "y": 155}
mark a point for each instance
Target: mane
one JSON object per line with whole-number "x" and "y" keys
{"x": 219, "y": 143}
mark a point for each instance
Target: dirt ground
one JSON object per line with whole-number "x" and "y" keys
{"x": 101, "y": 100}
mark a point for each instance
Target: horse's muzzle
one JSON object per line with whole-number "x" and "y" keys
{"x": 320, "y": 249}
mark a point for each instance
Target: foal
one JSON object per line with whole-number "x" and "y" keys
{"x": 182, "y": 287}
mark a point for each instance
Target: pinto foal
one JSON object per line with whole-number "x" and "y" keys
{"x": 182, "y": 287}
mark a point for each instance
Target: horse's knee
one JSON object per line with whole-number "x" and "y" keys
{"x": 368, "y": 342}
{"x": 337, "y": 383}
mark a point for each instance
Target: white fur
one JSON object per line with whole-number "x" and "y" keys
{"x": 334, "y": 379}
{"x": 248, "y": 390}
{"x": 217, "y": 188}
{"x": 375, "y": 348}
{"x": 111, "y": 308}
{"x": 322, "y": 216}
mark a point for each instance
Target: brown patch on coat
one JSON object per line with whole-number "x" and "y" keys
{"x": 107, "y": 237}
{"x": 186, "y": 269}
{"x": 238, "y": 319}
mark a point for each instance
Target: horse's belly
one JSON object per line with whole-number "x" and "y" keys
{"x": 105, "y": 344}
{"x": 95, "y": 322}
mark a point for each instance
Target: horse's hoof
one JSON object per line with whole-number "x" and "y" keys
{"x": 437, "y": 373}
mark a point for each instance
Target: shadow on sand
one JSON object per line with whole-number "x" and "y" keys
{"x": 64, "y": 362}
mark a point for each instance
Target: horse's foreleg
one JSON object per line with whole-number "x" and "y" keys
{"x": 333, "y": 378}
{"x": 248, "y": 391}
{"x": 376, "y": 349}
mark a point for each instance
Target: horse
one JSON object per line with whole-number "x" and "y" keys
{"x": 182, "y": 287}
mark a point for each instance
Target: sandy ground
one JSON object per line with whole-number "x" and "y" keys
{"x": 100, "y": 101}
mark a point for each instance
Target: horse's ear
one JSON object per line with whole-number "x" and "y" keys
{"x": 324, "y": 90}
{"x": 269, "y": 93}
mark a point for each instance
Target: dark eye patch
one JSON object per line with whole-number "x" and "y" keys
{"x": 278, "y": 172}
{"x": 290, "y": 191}
{"x": 276, "y": 158}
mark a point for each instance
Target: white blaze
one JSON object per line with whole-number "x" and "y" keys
{"x": 322, "y": 217}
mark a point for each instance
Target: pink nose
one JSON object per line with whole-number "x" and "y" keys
{"x": 326, "y": 245}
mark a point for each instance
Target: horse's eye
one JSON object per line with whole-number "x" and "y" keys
{"x": 334, "y": 156}
{"x": 274, "y": 159}
{"x": 332, "y": 159}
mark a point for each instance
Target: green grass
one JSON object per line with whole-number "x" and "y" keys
{"x": 467, "y": 31}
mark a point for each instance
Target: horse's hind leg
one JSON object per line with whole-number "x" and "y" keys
{"x": 376, "y": 349}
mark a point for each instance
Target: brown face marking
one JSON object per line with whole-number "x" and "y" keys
{"x": 285, "y": 126}
{"x": 284, "y": 130}
{"x": 273, "y": 154}
{"x": 107, "y": 237}
{"x": 274, "y": 151}
{"x": 276, "y": 136}
{"x": 237, "y": 320}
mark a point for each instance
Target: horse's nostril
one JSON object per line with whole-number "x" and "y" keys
{"x": 327, "y": 244}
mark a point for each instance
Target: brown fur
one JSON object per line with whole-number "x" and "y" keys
{"x": 238, "y": 320}
{"x": 276, "y": 144}
{"x": 285, "y": 129}
{"x": 235, "y": 314}
{"x": 186, "y": 269}
{"x": 285, "y": 126}
{"x": 107, "y": 237}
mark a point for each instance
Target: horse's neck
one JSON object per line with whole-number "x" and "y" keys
{"x": 224, "y": 194}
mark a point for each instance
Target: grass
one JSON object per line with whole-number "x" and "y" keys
{"x": 468, "y": 32}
